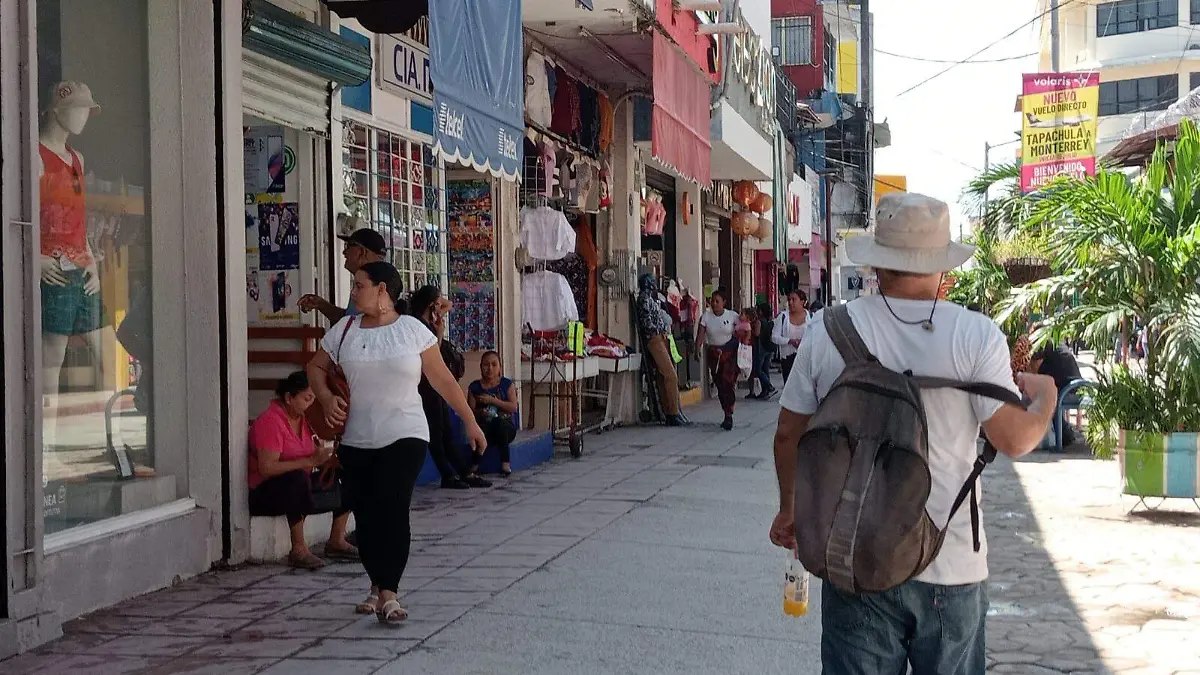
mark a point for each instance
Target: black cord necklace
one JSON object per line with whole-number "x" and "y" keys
{"x": 925, "y": 324}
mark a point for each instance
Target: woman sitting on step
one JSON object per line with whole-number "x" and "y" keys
{"x": 282, "y": 459}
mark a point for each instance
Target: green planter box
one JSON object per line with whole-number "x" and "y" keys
{"x": 1157, "y": 465}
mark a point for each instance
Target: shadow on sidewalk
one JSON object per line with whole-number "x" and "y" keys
{"x": 1033, "y": 617}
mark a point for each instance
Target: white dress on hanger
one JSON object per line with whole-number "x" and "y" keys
{"x": 547, "y": 302}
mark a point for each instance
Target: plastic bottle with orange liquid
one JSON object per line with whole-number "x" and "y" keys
{"x": 795, "y": 588}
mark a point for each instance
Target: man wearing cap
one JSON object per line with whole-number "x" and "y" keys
{"x": 362, "y": 246}
{"x": 935, "y": 622}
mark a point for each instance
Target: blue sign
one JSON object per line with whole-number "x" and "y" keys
{"x": 479, "y": 75}
{"x": 358, "y": 98}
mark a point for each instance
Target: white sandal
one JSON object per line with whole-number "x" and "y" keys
{"x": 368, "y": 606}
{"x": 391, "y": 613}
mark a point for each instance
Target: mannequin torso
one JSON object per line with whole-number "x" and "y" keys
{"x": 63, "y": 199}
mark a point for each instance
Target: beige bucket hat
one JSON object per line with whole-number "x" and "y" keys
{"x": 70, "y": 94}
{"x": 912, "y": 234}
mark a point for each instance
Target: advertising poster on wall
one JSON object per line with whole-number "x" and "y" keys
{"x": 263, "y": 160}
{"x": 1060, "y": 112}
{"x": 277, "y": 298}
{"x": 472, "y": 261}
{"x": 279, "y": 236}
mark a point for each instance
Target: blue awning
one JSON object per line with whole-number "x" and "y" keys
{"x": 475, "y": 62}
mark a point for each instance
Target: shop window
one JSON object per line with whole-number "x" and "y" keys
{"x": 396, "y": 184}
{"x": 94, "y": 186}
{"x": 1195, "y": 11}
{"x": 1134, "y": 16}
{"x": 1137, "y": 95}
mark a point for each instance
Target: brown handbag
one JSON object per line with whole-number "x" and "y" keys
{"x": 335, "y": 380}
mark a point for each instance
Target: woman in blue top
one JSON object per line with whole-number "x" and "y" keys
{"x": 493, "y": 397}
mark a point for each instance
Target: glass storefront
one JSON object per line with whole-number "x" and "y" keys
{"x": 95, "y": 190}
{"x": 397, "y": 186}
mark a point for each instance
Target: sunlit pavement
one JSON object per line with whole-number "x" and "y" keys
{"x": 649, "y": 555}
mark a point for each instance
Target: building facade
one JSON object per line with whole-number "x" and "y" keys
{"x": 1147, "y": 53}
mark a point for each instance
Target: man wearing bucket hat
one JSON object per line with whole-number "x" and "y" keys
{"x": 933, "y": 622}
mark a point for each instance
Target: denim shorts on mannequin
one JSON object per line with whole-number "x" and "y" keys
{"x": 69, "y": 310}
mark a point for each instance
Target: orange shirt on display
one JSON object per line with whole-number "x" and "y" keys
{"x": 63, "y": 209}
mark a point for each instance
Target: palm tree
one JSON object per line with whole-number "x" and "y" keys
{"x": 1127, "y": 253}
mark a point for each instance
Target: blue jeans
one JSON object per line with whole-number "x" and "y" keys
{"x": 939, "y": 630}
{"x": 761, "y": 359}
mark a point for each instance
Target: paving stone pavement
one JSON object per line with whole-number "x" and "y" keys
{"x": 649, "y": 555}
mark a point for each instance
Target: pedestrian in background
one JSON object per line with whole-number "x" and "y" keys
{"x": 789, "y": 329}
{"x": 717, "y": 325}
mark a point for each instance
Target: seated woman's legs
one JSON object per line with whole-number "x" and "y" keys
{"x": 288, "y": 495}
{"x": 500, "y": 434}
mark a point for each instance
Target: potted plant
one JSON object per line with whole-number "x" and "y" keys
{"x": 1127, "y": 255}
{"x": 1024, "y": 257}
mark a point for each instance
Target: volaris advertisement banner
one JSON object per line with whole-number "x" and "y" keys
{"x": 1058, "y": 126}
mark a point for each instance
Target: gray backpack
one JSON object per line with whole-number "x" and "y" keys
{"x": 862, "y": 473}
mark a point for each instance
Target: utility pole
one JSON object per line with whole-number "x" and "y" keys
{"x": 1054, "y": 35}
{"x": 987, "y": 152}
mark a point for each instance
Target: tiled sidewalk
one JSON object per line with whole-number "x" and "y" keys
{"x": 468, "y": 546}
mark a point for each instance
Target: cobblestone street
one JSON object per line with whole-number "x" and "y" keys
{"x": 649, "y": 555}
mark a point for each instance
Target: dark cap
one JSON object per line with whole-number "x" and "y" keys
{"x": 368, "y": 239}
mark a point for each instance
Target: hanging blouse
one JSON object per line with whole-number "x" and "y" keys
{"x": 606, "y": 123}
{"x": 537, "y": 91}
{"x": 546, "y": 301}
{"x": 546, "y": 234}
{"x": 565, "y": 115}
{"x": 656, "y": 217}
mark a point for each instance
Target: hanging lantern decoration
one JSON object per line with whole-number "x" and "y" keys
{"x": 764, "y": 229}
{"x": 744, "y": 193}
{"x": 762, "y": 203}
{"x": 744, "y": 224}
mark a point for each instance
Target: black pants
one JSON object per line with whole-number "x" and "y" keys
{"x": 788, "y": 362}
{"x": 449, "y": 460}
{"x": 500, "y": 433}
{"x": 289, "y": 494}
{"x": 382, "y": 481}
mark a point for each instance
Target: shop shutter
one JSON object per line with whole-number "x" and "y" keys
{"x": 283, "y": 94}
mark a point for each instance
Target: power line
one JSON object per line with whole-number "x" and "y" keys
{"x": 925, "y": 60}
{"x": 979, "y": 51}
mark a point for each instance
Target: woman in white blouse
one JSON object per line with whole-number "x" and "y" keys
{"x": 789, "y": 329}
{"x": 383, "y": 355}
{"x": 717, "y": 326}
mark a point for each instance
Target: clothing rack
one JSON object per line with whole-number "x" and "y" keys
{"x": 557, "y": 381}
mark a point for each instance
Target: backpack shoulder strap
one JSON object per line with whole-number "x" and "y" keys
{"x": 845, "y": 336}
{"x": 987, "y": 389}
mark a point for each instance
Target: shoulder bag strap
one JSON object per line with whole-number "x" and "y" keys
{"x": 845, "y": 336}
{"x": 345, "y": 332}
{"x": 986, "y": 389}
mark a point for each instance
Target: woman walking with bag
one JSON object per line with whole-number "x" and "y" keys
{"x": 717, "y": 325}
{"x": 383, "y": 356}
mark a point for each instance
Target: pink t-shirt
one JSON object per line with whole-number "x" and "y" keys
{"x": 272, "y": 431}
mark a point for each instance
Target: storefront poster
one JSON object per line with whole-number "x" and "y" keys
{"x": 1058, "y": 127}
{"x": 277, "y": 298}
{"x": 279, "y": 236}
{"x": 263, "y": 160}
{"x": 472, "y": 264}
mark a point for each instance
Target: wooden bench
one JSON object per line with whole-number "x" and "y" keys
{"x": 309, "y": 338}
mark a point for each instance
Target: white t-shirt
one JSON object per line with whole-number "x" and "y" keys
{"x": 719, "y": 327}
{"x": 383, "y": 368}
{"x": 964, "y": 345}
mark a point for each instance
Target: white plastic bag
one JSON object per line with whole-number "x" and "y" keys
{"x": 745, "y": 360}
